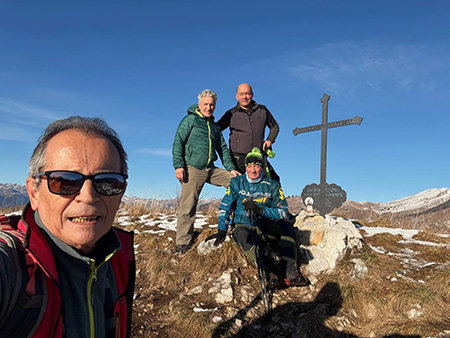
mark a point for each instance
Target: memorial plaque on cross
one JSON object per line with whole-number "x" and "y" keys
{"x": 326, "y": 196}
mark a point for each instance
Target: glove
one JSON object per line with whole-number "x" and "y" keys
{"x": 270, "y": 153}
{"x": 219, "y": 236}
{"x": 251, "y": 205}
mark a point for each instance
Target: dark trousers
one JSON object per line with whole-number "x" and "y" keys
{"x": 280, "y": 232}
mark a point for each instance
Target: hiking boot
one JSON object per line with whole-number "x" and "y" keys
{"x": 195, "y": 235}
{"x": 181, "y": 249}
{"x": 295, "y": 278}
{"x": 273, "y": 282}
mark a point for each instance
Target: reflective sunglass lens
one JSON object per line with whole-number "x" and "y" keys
{"x": 65, "y": 183}
{"x": 109, "y": 184}
{"x": 70, "y": 182}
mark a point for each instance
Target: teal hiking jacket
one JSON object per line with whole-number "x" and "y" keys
{"x": 197, "y": 142}
{"x": 267, "y": 193}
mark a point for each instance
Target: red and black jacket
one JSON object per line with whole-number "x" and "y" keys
{"x": 38, "y": 309}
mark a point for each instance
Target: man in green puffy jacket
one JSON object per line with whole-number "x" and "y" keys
{"x": 197, "y": 142}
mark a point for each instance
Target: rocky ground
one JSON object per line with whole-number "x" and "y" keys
{"x": 395, "y": 284}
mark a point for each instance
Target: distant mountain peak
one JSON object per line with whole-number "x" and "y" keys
{"x": 12, "y": 194}
{"x": 424, "y": 200}
{"x": 429, "y": 208}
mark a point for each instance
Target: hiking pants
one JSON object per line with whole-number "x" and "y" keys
{"x": 281, "y": 232}
{"x": 190, "y": 192}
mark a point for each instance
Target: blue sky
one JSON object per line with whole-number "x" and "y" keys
{"x": 140, "y": 64}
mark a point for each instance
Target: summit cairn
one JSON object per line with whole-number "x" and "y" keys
{"x": 324, "y": 241}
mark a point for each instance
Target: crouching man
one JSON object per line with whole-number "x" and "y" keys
{"x": 263, "y": 198}
{"x": 69, "y": 273}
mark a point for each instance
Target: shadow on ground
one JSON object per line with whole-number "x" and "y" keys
{"x": 292, "y": 319}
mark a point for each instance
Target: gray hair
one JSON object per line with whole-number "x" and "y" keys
{"x": 86, "y": 125}
{"x": 207, "y": 93}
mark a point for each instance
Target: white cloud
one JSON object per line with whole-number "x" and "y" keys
{"x": 347, "y": 67}
{"x": 14, "y": 132}
{"x": 25, "y": 111}
{"x": 23, "y": 122}
{"x": 156, "y": 151}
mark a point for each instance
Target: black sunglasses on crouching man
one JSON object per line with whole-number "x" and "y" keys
{"x": 65, "y": 182}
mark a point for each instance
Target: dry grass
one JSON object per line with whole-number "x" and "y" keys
{"x": 166, "y": 278}
{"x": 140, "y": 208}
{"x": 388, "y": 300}
{"x": 412, "y": 222}
{"x": 378, "y": 296}
{"x": 431, "y": 237}
{"x": 9, "y": 210}
{"x": 212, "y": 216}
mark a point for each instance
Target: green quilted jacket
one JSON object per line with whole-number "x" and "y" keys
{"x": 197, "y": 140}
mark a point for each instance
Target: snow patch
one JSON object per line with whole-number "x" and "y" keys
{"x": 406, "y": 233}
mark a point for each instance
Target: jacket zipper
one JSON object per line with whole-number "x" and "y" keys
{"x": 90, "y": 294}
{"x": 209, "y": 135}
{"x": 209, "y": 139}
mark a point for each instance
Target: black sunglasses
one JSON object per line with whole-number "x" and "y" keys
{"x": 65, "y": 182}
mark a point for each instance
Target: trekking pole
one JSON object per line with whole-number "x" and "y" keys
{"x": 262, "y": 280}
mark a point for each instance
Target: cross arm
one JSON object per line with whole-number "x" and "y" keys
{"x": 307, "y": 129}
{"x": 356, "y": 120}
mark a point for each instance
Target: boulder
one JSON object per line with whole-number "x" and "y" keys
{"x": 324, "y": 241}
{"x": 223, "y": 289}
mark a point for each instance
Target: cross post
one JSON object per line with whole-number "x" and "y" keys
{"x": 323, "y": 158}
{"x": 326, "y": 197}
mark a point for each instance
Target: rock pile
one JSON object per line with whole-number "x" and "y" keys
{"x": 324, "y": 241}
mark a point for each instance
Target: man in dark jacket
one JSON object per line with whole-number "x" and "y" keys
{"x": 196, "y": 142}
{"x": 264, "y": 198}
{"x": 247, "y": 122}
{"x": 81, "y": 268}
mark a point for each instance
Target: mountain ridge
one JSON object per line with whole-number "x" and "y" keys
{"x": 12, "y": 194}
{"x": 429, "y": 209}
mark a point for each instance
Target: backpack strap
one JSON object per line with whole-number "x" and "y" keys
{"x": 4, "y": 219}
{"x": 29, "y": 296}
{"x": 12, "y": 220}
{"x": 13, "y": 243}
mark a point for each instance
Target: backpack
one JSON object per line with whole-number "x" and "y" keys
{"x": 23, "y": 315}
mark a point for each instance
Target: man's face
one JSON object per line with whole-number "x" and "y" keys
{"x": 81, "y": 219}
{"x": 253, "y": 171}
{"x": 207, "y": 106}
{"x": 244, "y": 96}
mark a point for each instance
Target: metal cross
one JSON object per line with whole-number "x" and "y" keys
{"x": 324, "y": 127}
